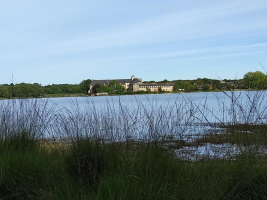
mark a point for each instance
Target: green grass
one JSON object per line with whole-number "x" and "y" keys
{"x": 244, "y": 134}
{"x": 95, "y": 170}
{"x": 34, "y": 167}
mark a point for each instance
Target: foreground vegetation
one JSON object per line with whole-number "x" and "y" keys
{"x": 92, "y": 170}
{"x": 91, "y": 153}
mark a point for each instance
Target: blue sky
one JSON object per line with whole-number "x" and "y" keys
{"x": 66, "y": 41}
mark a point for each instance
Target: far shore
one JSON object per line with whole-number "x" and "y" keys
{"x": 121, "y": 94}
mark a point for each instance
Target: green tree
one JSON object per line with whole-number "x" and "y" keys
{"x": 207, "y": 87}
{"x": 255, "y": 80}
{"x": 22, "y": 90}
{"x": 164, "y": 81}
{"x": 119, "y": 88}
{"x": 187, "y": 86}
{"x": 206, "y": 81}
{"x": 99, "y": 88}
{"x": 37, "y": 90}
{"x": 199, "y": 83}
{"x": 216, "y": 84}
{"x": 52, "y": 89}
{"x": 193, "y": 88}
{"x": 85, "y": 85}
{"x": 179, "y": 85}
{"x": 175, "y": 88}
{"x": 112, "y": 86}
{"x": 4, "y": 93}
{"x": 56, "y": 89}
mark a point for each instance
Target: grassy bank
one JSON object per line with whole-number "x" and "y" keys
{"x": 94, "y": 170}
{"x": 90, "y": 153}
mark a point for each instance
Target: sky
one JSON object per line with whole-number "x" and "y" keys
{"x": 66, "y": 41}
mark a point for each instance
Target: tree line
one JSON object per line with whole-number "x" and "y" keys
{"x": 23, "y": 90}
{"x": 112, "y": 87}
{"x": 251, "y": 80}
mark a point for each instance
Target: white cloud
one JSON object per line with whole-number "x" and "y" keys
{"x": 177, "y": 26}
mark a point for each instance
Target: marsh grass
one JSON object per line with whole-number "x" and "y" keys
{"x": 244, "y": 134}
{"x": 126, "y": 171}
{"x": 114, "y": 152}
{"x": 22, "y": 168}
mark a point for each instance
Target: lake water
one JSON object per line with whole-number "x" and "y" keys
{"x": 217, "y": 107}
{"x": 138, "y": 117}
{"x": 183, "y": 116}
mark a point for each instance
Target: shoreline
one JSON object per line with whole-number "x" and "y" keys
{"x": 84, "y": 95}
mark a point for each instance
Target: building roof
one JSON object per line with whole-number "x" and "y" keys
{"x": 121, "y": 81}
{"x": 158, "y": 84}
{"x": 136, "y": 80}
{"x": 106, "y": 82}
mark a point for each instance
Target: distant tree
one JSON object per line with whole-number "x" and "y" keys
{"x": 95, "y": 88}
{"x": 47, "y": 90}
{"x": 164, "y": 81}
{"x": 56, "y": 89}
{"x": 119, "y": 88}
{"x": 193, "y": 88}
{"x": 255, "y": 80}
{"x": 37, "y": 90}
{"x": 178, "y": 85}
{"x": 240, "y": 84}
{"x": 22, "y": 90}
{"x": 4, "y": 93}
{"x": 99, "y": 88}
{"x": 207, "y": 87}
{"x": 206, "y": 81}
{"x": 216, "y": 84}
{"x": 199, "y": 83}
{"x": 227, "y": 86}
{"x": 187, "y": 86}
{"x": 112, "y": 86}
{"x": 85, "y": 85}
{"x": 52, "y": 89}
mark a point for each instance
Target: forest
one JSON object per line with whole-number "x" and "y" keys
{"x": 251, "y": 80}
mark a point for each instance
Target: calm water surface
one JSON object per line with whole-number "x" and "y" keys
{"x": 184, "y": 117}
{"x": 213, "y": 106}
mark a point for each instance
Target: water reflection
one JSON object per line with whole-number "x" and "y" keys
{"x": 217, "y": 151}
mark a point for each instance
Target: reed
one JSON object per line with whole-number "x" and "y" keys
{"x": 117, "y": 152}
